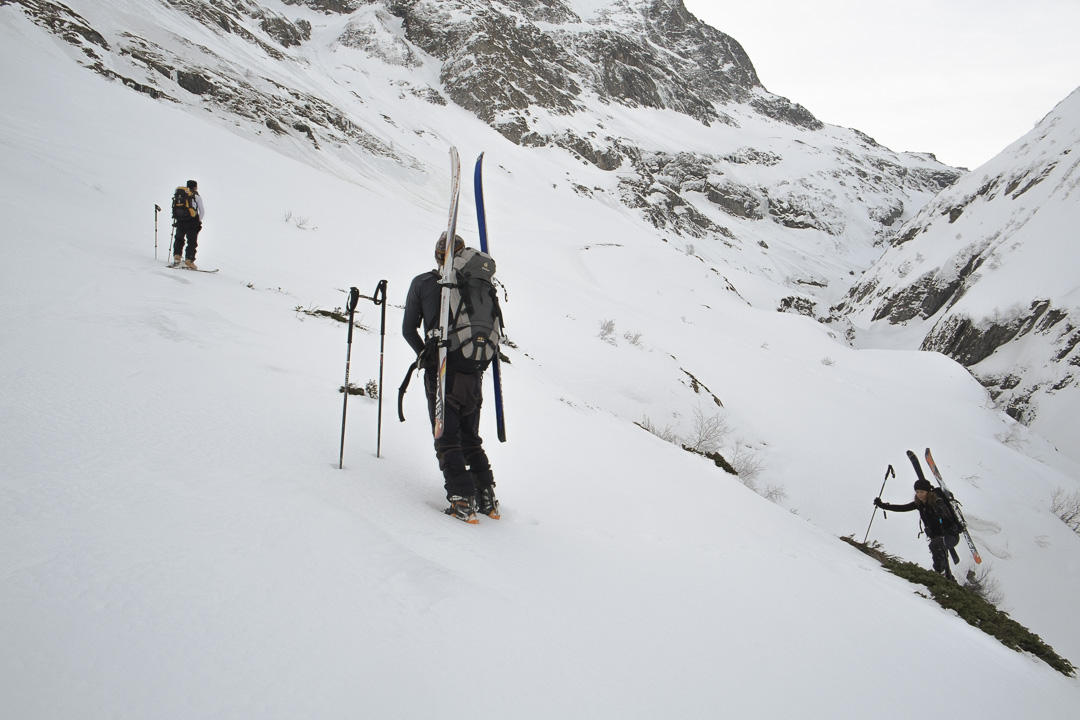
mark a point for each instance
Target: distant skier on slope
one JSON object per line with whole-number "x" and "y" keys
{"x": 937, "y": 522}
{"x": 188, "y": 212}
{"x": 467, "y": 476}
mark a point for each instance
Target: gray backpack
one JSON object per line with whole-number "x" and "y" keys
{"x": 475, "y": 325}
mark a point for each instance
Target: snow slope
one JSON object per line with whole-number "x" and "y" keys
{"x": 176, "y": 539}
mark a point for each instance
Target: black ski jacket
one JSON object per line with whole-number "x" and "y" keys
{"x": 421, "y": 309}
{"x": 935, "y": 515}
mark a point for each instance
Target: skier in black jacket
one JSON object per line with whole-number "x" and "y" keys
{"x": 188, "y": 227}
{"x": 937, "y": 522}
{"x": 467, "y": 476}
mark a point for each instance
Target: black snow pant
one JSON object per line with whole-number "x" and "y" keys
{"x": 460, "y": 450}
{"x": 189, "y": 233}
{"x": 939, "y": 551}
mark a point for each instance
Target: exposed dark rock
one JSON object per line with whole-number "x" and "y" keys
{"x": 779, "y": 108}
{"x": 287, "y": 33}
{"x": 697, "y": 386}
{"x": 937, "y": 178}
{"x": 888, "y": 213}
{"x": 798, "y": 305}
{"x": 803, "y": 210}
{"x": 193, "y": 82}
{"x": 969, "y": 342}
{"x": 921, "y": 299}
{"x": 1034, "y": 181}
{"x": 343, "y": 7}
{"x": 60, "y": 20}
{"x": 753, "y": 156}
{"x": 735, "y": 199}
{"x": 606, "y": 157}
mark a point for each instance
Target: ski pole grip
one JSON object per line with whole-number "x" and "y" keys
{"x": 379, "y": 296}
{"x": 354, "y": 297}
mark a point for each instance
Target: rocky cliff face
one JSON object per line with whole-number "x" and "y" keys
{"x": 503, "y": 60}
{"x": 988, "y": 274}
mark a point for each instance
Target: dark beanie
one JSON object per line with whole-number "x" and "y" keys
{"x": 922, "y": 484}
{"x": 192, "y": 184}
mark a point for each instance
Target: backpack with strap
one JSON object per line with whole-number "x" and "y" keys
{"x": 183, "y": 205}
{"x": 475, "y": 325}
{"x": 949, "y": 499}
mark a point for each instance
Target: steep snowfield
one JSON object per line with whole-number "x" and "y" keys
{"x": 177, "y": 541}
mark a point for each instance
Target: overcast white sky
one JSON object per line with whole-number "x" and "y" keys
{"x": 959, "y": 78}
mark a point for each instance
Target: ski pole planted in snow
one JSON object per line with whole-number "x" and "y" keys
{"x": 888, "y": 472}
{"x": 379, "y": 298}
{"x": 354, "y": 296}
{"x": 157, "y": 209}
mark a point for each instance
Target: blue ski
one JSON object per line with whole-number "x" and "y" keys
{"x": 481, "y": 221}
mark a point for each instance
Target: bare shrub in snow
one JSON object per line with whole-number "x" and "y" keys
{"x": 607, "y": 329}
{"x": 667, "y": 434}
{"x": 747, "y": 463}
{"x": 1067, "y": 507}
{"x": 707, "y": 433}
{"x": 1012, "y": 437}
{"x": 986, "y": 587}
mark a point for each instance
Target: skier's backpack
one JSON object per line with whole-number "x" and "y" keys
{"x": 950, "y": 499}
{"x": 475, "y": 324}
{"x": 183, "y": 205}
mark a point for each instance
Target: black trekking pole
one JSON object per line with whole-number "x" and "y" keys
{"x": 354, "y": 296}
{"x": 157, "y": 209}
{"x": 379, "y": 298}
{"x": 888, "y": 472}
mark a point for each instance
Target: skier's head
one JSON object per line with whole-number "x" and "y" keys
{"x": 922, "y": 487}
{"x": 440, "y": 247}
{"x": 192, "y": 185}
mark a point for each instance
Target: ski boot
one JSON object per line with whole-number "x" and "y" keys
{"x": 486, "y": 503}
{"x": 463, "y": 509}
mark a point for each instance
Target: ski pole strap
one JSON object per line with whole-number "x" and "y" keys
{"x": 403, "y": 388}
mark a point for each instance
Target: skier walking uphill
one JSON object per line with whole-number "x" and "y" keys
{"x": 188, "y": 212}
{"x": 467, "y": 476}
{"x": 937, "y": 522}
